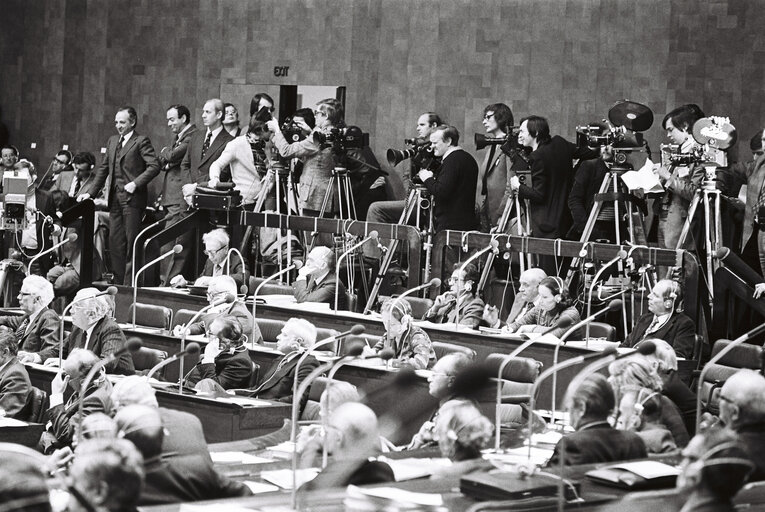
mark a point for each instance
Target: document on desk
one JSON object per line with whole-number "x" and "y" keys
{"x": 390, "y": 495}
{"x": 11, "y": 422}
{"x": 260, "y": 487}
{"x": 514, "y": 456}
{"x": 244, "y": 401}
{"x": 215, "y": 507}
{"x": 276, "y": 300}
{"x": 237, "y": 458}
{"x": 283, "y": 477}
{"x": 413, "y": 467}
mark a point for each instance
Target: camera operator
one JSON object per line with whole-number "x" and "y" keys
{"x": 552, "y": 172}
{"x": 453, "y": 189}
{"x": 318, "y": 162}
{"x": 753, "y": 175}
{"x": 680, "y": 181}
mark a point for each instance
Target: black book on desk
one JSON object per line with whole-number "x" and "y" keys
{"x": 503, "y": 485}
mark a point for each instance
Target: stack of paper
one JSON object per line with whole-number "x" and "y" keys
{"x": 283, "y": 477}
{"x": 389, "y": 498}
{"x": 236, "y": 458}
{"x": 644, "y": 179}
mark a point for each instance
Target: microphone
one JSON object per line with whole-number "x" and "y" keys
{"x": 733, "y": 344}
{"x": 371, "y": 236}
{"x": 132, "y": 345}
{"x": 72, "y": 237}
{"x": 112, "y": 290}
{"x": 191, "y": 349}
{"x": 621, "y": 255}
{"x": 737, "y": 266}
{"x": 493, "y": 247}
{"x": 175, "y": 250}
{"x": 434, "y": 283}
{"x": 135, "y": 244}
{"x": 296, "y": 265}
{"x": 228, "y": 259}
{"x": 226, "y": 299}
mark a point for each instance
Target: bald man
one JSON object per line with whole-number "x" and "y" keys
{"x": 742, "y": 409}
{"x": 352, "y": 439}
{"x": 316, "y": 281}
{"x": 525, "y": 299}
{"x": 183, "y": 478}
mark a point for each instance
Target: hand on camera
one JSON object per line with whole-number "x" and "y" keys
{"x": 424, "y": 175}
{"x": 130, "y": 188}
{"x": 515, "y": 183}
{"x": 273, "y": 125}
{"x": 759, "y": 289}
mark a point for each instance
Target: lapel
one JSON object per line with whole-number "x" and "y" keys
{"x": 278, "y": 373}
{"x": 759, "y": 176}
{"x": 32, "y": 326}
{"x": 220, "y": 140}
{"x": 114, "y": 142}
{"x": 128, "y": 145}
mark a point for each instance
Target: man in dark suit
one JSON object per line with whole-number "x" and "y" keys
{"x": 179, "y": 121}
{"x": 131, "y": 164}
{"x": 552, "y": 172}
{"x": 664, "y": 322}
{"x": 14, "y": 379}
{"x": 297, "y": 336}
{"x": 595, "y": 440}
{"x": 454, "y": 188}
{"x": 63, "y": 412}
{"x": 205, "y": 147}
{"x": 216, "y": 244}
{"x": 742, "y": 409}
{"x": 37, "y": 330}
{"x": 525, "y": 299}
{"x": 179, "y": 479}
{"x": 316, "y": 280}
{"x": 96, "y": 331}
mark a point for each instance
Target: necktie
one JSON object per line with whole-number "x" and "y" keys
{"x": 653, "y": 326}
{"x": 22, "y": 329}
{"x": 177, "y": 141}
{"x": 76, "y": 186}
{"x": 206, "y": 145}
{"x": 86, "y": 338}
{"x": 120, "y": 144}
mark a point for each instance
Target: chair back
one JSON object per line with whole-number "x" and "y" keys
{"x": 419, "y": 305}
{"x": 36, "y": 408}
{"x": 152, "y": 315}
{"x": 146, "y": 358}
{"x": 255, "y": 374}
{"x": 270, "y": 329}
{"x": 183, "y": 316}
{"x": 518, "y": 377}
{"x": 441, "y": 349}
{"x": 742, "y": 356}
{"x": 602, "y": 330}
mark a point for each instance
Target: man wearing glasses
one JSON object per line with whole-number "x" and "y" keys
{"x": 317, "y": 281}
{"x": 742, "y": 409}
{"x": 37, "y": 331}
{"x": 216, "y": 248}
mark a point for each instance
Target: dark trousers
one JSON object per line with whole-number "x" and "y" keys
{"x": 179, "y": 263}
{"x": 124, "y": 223}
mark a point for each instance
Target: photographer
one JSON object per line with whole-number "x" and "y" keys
{"x": 318, "y": 162}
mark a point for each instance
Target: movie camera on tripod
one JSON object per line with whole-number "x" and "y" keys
{"x": 714, "y": 135}
{"x": 342, "y": 139}
{"x": 421, "y": 153}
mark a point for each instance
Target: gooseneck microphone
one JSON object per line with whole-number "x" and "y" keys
{"x": 132, "y": 345}
{"x": 227, "y": 299}
{"x": 296, "y": 265}
{"x": 72, "y": 237}
{"x": 135, "y": 244}
{"x": 371, "y": 236}
{"x": 736, "y": 265}
{"x": 434, "y": 283}
{"x": 621, "y": 255}
{"x": 175, "y": 250}
{"x": 494, "y": 247}
{"x": 112, "y": 290}
{"x": 190, "y": 350}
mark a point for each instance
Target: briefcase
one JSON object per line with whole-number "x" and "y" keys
{"x": 215, "y": 199}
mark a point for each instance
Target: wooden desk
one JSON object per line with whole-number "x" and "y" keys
{"x": 20, "y": 432}
{"x": 222, "y": 421}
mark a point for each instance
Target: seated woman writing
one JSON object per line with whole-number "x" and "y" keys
{"x": 445, "y": 308}
{"x": 410, "y": 344}
{"x": 225, "y": 362}
{"x": 554, "y": 304}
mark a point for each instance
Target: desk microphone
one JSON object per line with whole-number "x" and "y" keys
{"x": 72, "y": 237}
{"x": 296, "y": 265}
{"x": 371, "y": 236}
{"x": 135, "y": 244}
{"x": 433, "y": 283}
{"x": 132, "y": 345}
{"x": 228, "y": 259}
{"x": 493, "y": 247}
{"x": 226, "y": 299}
{"x": 621, "y": 255}
{"x": 733, "y": 344}
{"x": 191, "y": 350}
{"x": 112, "y": 290}
{"x": 175, "y": 250}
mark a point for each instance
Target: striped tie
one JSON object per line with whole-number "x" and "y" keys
{"x": 22, "y": 330}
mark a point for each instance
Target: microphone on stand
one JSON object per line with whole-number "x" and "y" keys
{"x": 434, "y": 283}
{"x": 112, "y": 290}
{"x": 371, "y": 236}
{"x": 132, "y": 345}
{"x": 614, "y": 305}
{"x": 562, "y": 322}
{"x": 621, "y": 255}
{"x": 736, "y": 265}
{"x": 227, "y": 299}
{"x": 493, "y": 247}
{"x": 733, "y": 344}
{"x": 175, "y": 250}
{"x": 191, "y": 350}
{"x": 228, "y": 259}
{"x": 296, "y": 265}
{"x": 72, "y": 237}
{"x": 135, "y": 244}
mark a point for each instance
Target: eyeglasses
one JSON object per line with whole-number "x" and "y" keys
{"x": 25, "y": 294}
{"x": 723, "y": 398}
{"x": 214, "y": 251}
{"x": 453, "y": 280}
{"x": 59, "y": 162}
{"x": 488, "y": 116}
{"x": 319, "y": 112}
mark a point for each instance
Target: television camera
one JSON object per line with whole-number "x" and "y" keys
{"x": 420, "y": 152}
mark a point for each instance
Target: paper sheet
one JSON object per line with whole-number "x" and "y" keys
{"x": 259, "y": 487}
{"x": 285, "y": 447}
{"x": 648, "y": 469}
{"x": 283, "y": 477}
{"x": 215, "y": 507}
{"x": 408, "y": 469}
{"x": 243, "y": 401}
{"x": 539, "y": 456}
{"x": 236, "y": 458}
{"x": 398, "y": 495}
{"x": 643, "y": 179}
{"x": 11, "y": 422}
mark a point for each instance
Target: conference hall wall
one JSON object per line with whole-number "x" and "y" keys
{"x": 66, "y": 65}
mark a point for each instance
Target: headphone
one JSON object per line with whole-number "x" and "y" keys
{"x": 558, "y": 296}
{"x": 14, "y": 148}
{"x": 674, "y": 289}
{"x": 404, "y": 309}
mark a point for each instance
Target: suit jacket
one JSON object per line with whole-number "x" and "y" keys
{"x": 63, "y": 417}
{"x": 552, "y": 173}
{"x": 231, "y": 371}
{"x": 14, "y": 388}
{"x": 186, "y": 478}
{"x": 194, "y": 168}
{"x": 183, "y": 434}
{"x": 107, "y": 338}
{"x": 682, "y": 396}
{"x": 318, "y": 164}
{"x": 170, "y": 159}
{"x": 492, "y": 198}
{"x": 598, "y": 442}
{"x": 237, "y": 269}
{"x": 679, "y": 331}
{"x": 136, "y": 159}
{"x": 470, "y": 309}
{"x": 41, "y": 336}
{"x": 237, "y": 309}
{"x": 519, "y": 306}
{"x": 753, "y": 186}
{"x": 306, "y": 290}
{"x": 657, "y": 438}
{"x": 278, "y": 380}
{"x": 675, "y": 203}
{"x": 753, "y": 437}
{"x": 453, "y": 188}
{"x": 546, "y": 319}
{"x": 64, "y": 182}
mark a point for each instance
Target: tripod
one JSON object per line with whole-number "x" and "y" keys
{"x": 523, "y": 230}
{"x": 419, "y": 202}
{"x": 339, "y": 182}
{"x": 710, "y": 196}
